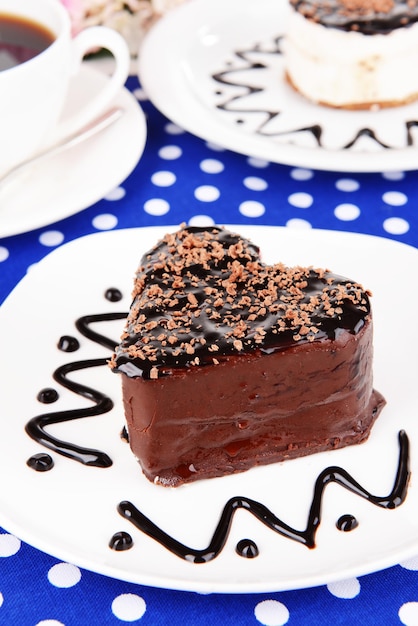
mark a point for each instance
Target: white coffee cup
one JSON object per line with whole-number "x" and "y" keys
{"x": 33, "y": 93}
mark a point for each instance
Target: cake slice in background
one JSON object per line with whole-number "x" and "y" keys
{"x": 353, "y": 54}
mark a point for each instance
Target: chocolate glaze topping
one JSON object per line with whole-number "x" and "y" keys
{"x": 203, "y": 293}
{"x": 366, "y": 16}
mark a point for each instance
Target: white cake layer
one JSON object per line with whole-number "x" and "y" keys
{"x": 344, "y": 68}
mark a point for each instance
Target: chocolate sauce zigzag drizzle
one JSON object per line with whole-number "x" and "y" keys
{"x": 306, "y": 537}
{"x": 36, "y": 427}
{"x": 226, "y": 78}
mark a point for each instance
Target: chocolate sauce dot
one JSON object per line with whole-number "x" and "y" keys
{"x": 68, "y": 343}
{"x": 124, "y": 435}
{"x": 121, "y": 541}
{"x": 40, "y": 462}
{"x": 247, "y": 548}
{"x": 47, "y": 395}
{"x": 113, "y": 294}
{"x": 347, "y": 523}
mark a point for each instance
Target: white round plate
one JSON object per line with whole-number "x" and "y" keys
{"x": 57, "y": 187}
{"x": 204, "y": 80}
{"x": 71, "y": 511}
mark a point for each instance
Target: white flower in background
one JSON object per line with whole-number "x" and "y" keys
{"x": 161, "y": 6}
{"x": 131, "y": 18}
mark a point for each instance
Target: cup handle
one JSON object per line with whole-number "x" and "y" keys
{"x": 86, "y": 41}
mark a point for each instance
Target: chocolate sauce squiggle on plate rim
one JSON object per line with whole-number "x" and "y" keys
{"x": 36, "y": 429}
{"x": 329, "y": 475}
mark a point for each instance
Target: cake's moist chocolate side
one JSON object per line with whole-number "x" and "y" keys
{"x": 228, "y": 363}
{"x": 369, "y": 17}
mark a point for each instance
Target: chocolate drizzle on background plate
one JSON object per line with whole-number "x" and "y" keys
{"x": 229, "y": 77}
{"x": 306, "y": 537}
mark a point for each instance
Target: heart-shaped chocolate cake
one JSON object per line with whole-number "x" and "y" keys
{"x": 228, "y": 363}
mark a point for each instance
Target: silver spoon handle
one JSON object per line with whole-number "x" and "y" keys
{"x": 72, "y": 140}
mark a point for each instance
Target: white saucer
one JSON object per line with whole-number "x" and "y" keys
{"x": 71, "y": 511}
{"x": 60, "y": 186}
{"x": 222, "y": 78}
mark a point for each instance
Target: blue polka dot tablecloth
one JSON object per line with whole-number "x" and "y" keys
{"x": 181, "y": 178}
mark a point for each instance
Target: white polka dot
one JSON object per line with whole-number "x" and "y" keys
{"x": 410, "y": 564}
{"x": 140, "y": 94}
{"x": 215, "y": 147}
{"x": 212, "y": 166}
{"x": 49, "y": 622}
{"x": 408, "y": 614}
{"x": 9, "y": 544}
{"x": 347, "y": 184}
{"x": 163, "y": 179}
{"x": 346, "y": 212}
{"x": 396, "y": 225}
{"x": 207, "y": 193}
{"x": 173, "y": 129}
{"x": 4, "y": 253}
{"x": 128, "y": 607}
{"x": 301, "y": 174}
{"x": 258, "y": 163}
{"x": 201, "y": 220}
{"x": 64, "y": 575}
{"x": 105, "y": 221}
{"x": 346, "y": 589}
{"x": 116, "y": 194}
{"x": 251, "y": 208}
{"x": 298, "y": 223}
{"x": 51, "y": 238}
{"x": 395, "y": 198}
{"x": 300, "y": 199}
{"x": 156, "y": 207}
{"x": 393, "y": 175}
{"x": 271, "y": 613}
{"x": 255, "y": 184}
{"x": 1, "y": 599}
{"x": 170, "y": 153}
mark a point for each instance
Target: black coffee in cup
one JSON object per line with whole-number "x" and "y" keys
{"x": 21, "y": 39}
